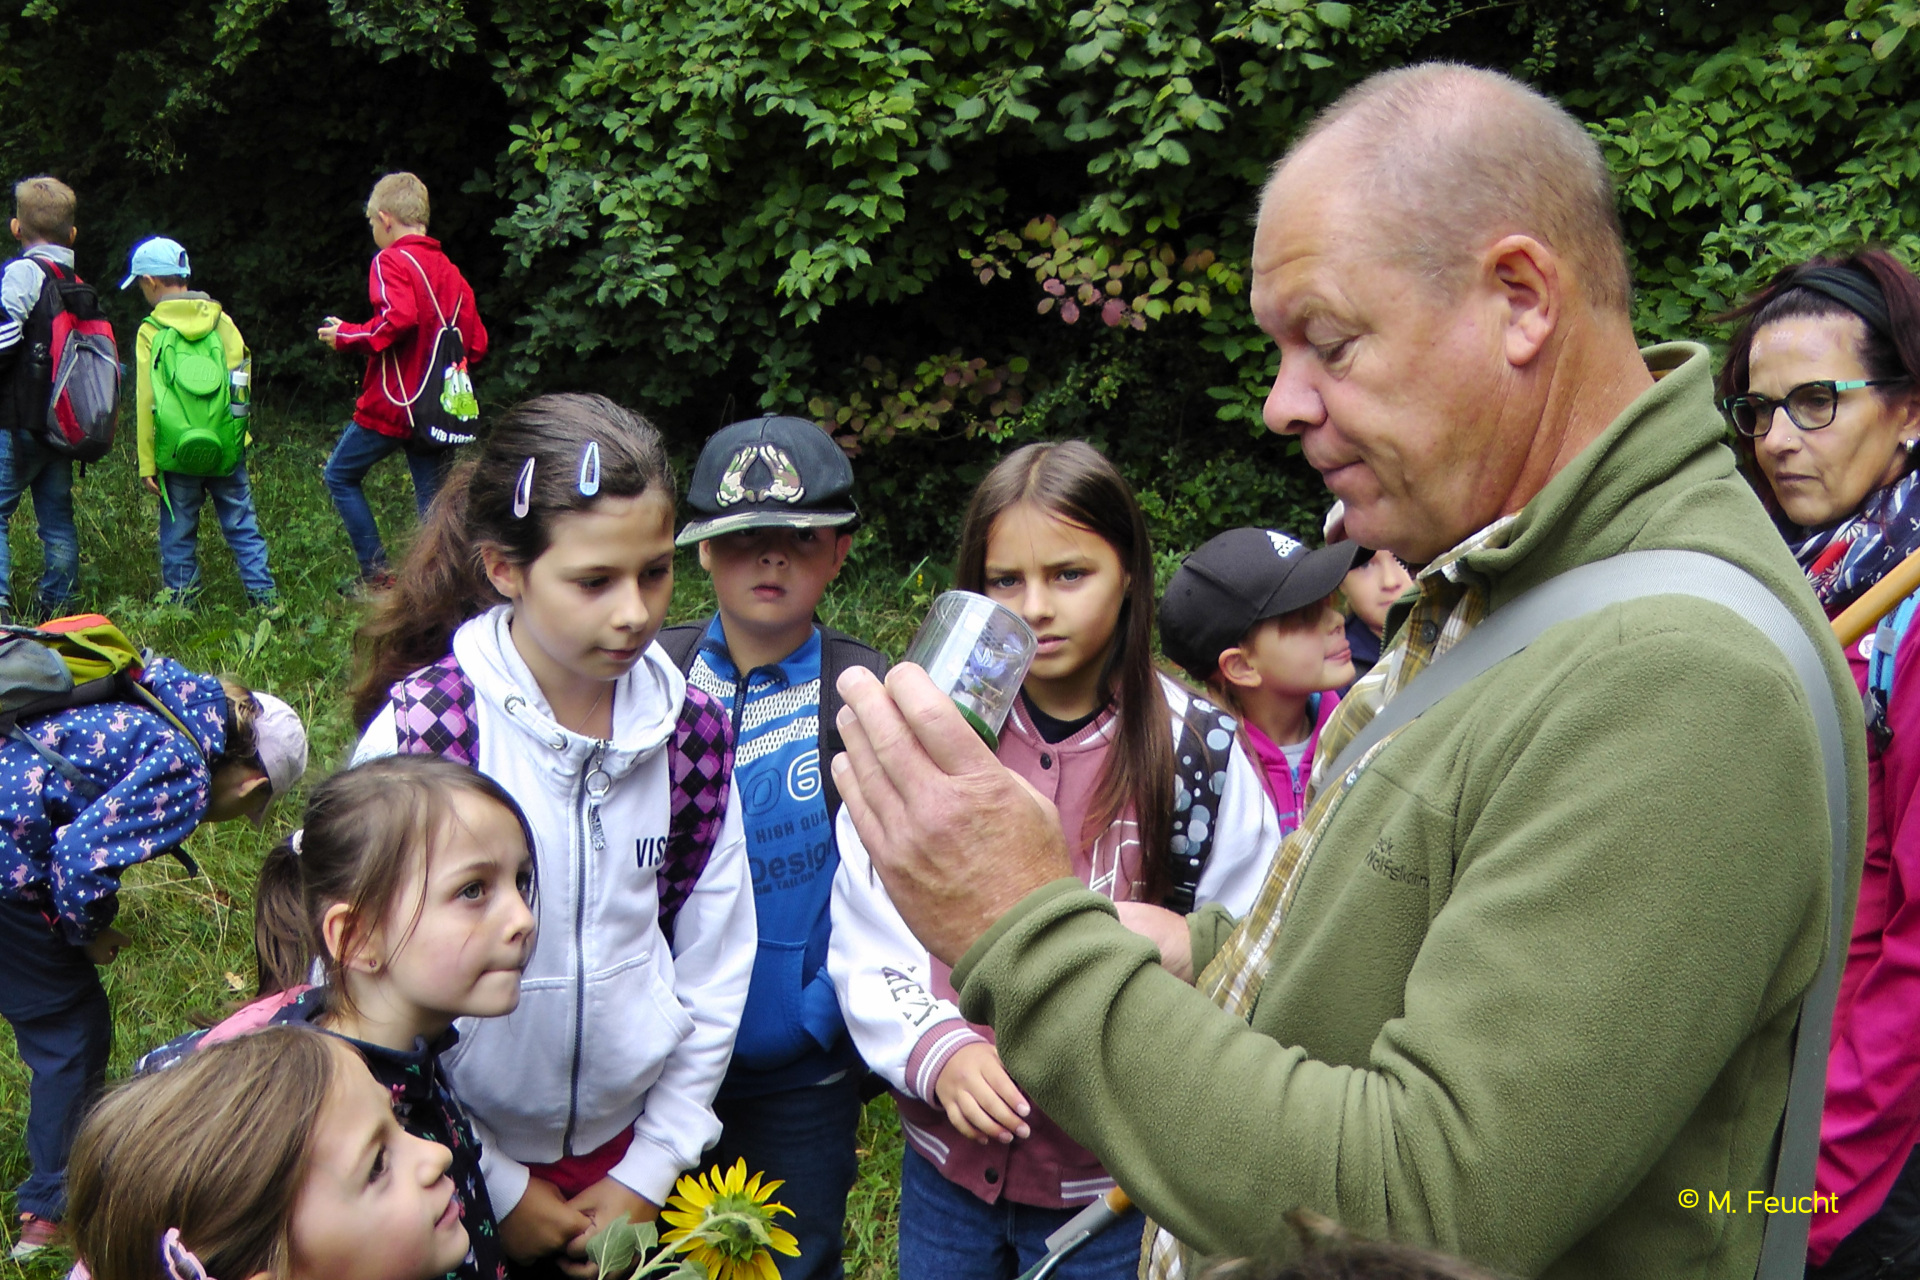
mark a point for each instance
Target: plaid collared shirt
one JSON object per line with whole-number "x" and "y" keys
{"x": 1452, "y": 602}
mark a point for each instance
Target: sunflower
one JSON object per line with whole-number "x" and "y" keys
{"x": 723, "y": 1222}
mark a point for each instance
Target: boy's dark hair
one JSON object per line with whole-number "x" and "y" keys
{"x": 356, "y": 846}
{"x": 1072, "y": 480}
{"x": 45, "y": 207}
{"x": 183, "y": 281}
{"x": 444, "y": 582}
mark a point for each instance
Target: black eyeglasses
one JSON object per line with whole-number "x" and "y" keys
{"x": 1811, "y": 405}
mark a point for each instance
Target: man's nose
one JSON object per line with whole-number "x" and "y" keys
{"x": 1292, "y": 405}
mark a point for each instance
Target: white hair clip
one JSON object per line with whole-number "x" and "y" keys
{"x": 523, "y": 492}
{"x": 297, "y": 839}
{"x": 590, "y": 469}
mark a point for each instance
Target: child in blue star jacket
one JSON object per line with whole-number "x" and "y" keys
{"x": 86, "y": 793}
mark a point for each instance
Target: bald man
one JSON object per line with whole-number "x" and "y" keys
{"x": 1523, "y": 986}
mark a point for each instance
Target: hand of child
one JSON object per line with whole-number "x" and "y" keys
{"x": 105, "y": 945}
{"x": 330, "y": 332}
{"x": 981, "y": 1099}
{"x": 604, "y": 1203}
{"x": 542, "y": 1224}
{"x": 153, "y": 486}
{"x": 1166, "y": 930}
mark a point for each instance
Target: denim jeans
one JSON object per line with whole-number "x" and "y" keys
{"x": 805, "y": 1136}
{"x": 948, "y": 1233}
{"x": 180, "y": 531}
{"x": 62, "y": 1026}
{"x": 27, "y": 465}
{"x": 359, "y": 449}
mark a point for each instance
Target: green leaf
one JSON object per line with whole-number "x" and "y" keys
{"x": 614, "y": 1247}
{"x": 970, "y": 109}
{"x": 1337, "y": 16}
{"x": 1883, "y": 47}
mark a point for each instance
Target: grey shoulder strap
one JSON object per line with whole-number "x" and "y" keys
{"x": 1632, "y": 576}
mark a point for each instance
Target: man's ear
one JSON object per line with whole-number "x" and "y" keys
{"x": 1237, "y": 670}
{"x": 706, "y": 554}
{"x": 1528, "y": 275}
{"x": 507, "y": 578}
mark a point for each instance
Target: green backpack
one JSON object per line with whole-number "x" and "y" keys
{"x": 194, "y": 430}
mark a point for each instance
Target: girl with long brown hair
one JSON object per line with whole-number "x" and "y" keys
{"x": 520, "y": 640}
{"x": 1054, "y": 534}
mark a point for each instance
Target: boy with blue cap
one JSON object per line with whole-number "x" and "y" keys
{"x": 191, "y": 397}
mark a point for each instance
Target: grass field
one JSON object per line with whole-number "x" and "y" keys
{"x": 192, "y": 949}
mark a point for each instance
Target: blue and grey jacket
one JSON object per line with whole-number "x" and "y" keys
{"x": 791, "y": 1034}
{"x": 63, "y": 853}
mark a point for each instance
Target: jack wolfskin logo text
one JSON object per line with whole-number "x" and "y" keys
{"x": 1381, "y": 862}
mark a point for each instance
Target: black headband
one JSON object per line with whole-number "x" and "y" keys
{"x": 1853, "y": 289}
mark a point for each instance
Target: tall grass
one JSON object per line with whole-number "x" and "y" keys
{"x": 192, "y": 936}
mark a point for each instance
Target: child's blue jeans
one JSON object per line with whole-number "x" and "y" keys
{"x": 948, "y": 1233}
{"x": 63, "y": 1028}
{"x": 805, "y": 1136}
{"x": 26, "y": 464}
{"x": 180, "y": 532}
{"x": 359, "y": 449}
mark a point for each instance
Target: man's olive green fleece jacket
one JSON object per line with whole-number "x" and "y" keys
{"x": 1542, "y": 974}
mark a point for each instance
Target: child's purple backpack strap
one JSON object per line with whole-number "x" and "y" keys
{"x": 433, "y": 714}
{"x": 701, "y": 764}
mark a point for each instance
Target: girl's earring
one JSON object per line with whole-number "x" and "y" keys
{"x": 373, "y": 966}
{"x": 523, "y": 492}
{"x": 1912, "y": 445}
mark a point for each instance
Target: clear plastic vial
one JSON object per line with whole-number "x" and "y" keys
{"x": 977, "y": 651}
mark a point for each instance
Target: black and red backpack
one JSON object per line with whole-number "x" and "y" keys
{"x": 65, "y": 387}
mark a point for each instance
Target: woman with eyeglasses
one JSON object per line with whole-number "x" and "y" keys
{"x": 1820, "y": 383}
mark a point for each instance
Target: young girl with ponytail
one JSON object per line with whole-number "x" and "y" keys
{"x": 272, "y": 1156}
{"x": 409, "y": 885}
{"x": 597, "y": 1091}
{"x": 1054, "y": 534}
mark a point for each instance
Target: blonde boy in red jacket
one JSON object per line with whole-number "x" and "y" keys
{"x": 413, "y": 287}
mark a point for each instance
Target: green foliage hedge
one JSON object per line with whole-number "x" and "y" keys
{"x": 939, "y": 227}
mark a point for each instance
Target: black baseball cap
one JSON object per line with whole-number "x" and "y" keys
{"x": 1240, "y": 579}
{"x": 769, "y": 473}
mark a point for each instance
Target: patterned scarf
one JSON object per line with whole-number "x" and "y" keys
{"x": 1844, "y": 559}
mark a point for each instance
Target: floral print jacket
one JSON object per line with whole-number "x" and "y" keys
{"x": 63, "y": 853}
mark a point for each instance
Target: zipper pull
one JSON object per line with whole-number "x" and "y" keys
{"x": 598, "y": 784}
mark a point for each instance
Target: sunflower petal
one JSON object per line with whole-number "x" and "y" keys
{"x": 784, "y": 1242}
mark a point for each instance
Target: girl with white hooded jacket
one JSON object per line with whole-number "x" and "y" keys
{"x": 596, "y": 1093}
